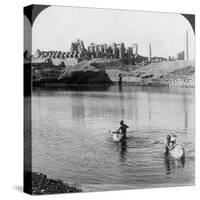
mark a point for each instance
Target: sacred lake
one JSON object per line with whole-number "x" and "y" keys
{"x": 71, "y": 139}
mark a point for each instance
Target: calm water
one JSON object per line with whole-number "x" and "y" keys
{"x": 71, "y": 139}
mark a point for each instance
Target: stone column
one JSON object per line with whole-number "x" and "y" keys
{"x": 121, "y": 52}
{"x": 92, "y": 49}
{"x": 101, "y": 48}
{"x": 105, "y": 48}
{"x": 135, "y": 49}
{"x": 129, "y": 55}
{"x": 74, "y": 54}
{"x": 150, "y": 52}
{"x": 114, "y": 50}
{"x": 95, "y": 48}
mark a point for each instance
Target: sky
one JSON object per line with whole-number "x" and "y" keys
{"x": 56, "y": 27}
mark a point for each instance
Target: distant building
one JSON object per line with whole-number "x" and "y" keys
{"x": 37, "y": 54}
{"x": 138, "y": 59}
{"x": 180, "y": 55}
{"x": 158, "y": 59}
{"x": 113, "y": 51}
{"x": 127, "y": 55}
{"x": 78, "y": 49}
{"x": 135, "y": 49}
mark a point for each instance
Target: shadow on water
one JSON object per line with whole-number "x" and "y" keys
{"x": 123, "y": 150}
{"x": 120, "y": 88}
{"x": 120, "y": 146}
{"x": 171, "y": 164}
{"x": 72, "y": 88}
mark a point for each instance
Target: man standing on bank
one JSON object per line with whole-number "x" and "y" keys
{"x": 123, "y": 128}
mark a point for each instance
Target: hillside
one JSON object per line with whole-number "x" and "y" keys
{"x": 163, "y": 68}
{"x": 157, "y": 74}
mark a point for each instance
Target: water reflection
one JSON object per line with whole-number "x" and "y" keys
{"x": 123, "y": 150}
{"x": 78, "y": 106}
{"x": 120, "y": 88}
{"x": 149, "y": 109}
{"x": 121, "y": 97}
{"x": 72, "y": 88}
{"x": 185, "y": 111}
{"x": 171, "y": 164}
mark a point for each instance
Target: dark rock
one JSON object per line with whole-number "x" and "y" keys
{"x": 42, "y": 185}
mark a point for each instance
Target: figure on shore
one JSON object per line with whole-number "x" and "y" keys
{"x": 123, "y": 127}
{"x": 120, "y": 80}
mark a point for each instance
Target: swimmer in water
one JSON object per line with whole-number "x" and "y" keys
{"x": 123, "y": 127}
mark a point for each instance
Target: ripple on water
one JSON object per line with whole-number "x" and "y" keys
{"x": 151, "y": 142}
{"x": 70, "y": 141}
{"x": 143, "y": 138}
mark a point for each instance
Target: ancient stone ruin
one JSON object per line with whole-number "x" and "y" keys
{"x": 78, "y": 52}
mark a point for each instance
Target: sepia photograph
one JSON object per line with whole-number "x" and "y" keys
{"x": 109, "y": 99}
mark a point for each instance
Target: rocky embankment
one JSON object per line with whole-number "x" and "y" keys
{"x": 43, "y": 185}
{"x": 101, "y": 71}
{"x": 173, "y": 73}
{"x": 82, "y": 73}
{"x": 184, "y": 77}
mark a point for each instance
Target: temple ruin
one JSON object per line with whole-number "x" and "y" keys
{"x": 78, "y": 52}
{"x": 106, "y": 51}
{"x": 111, "y": 51}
